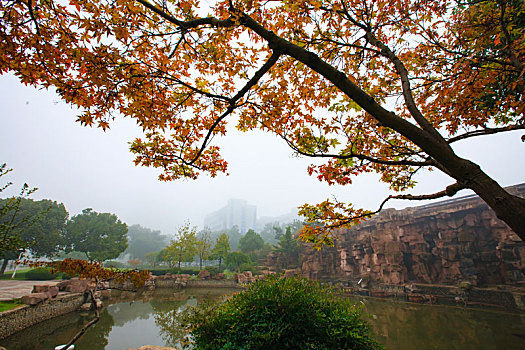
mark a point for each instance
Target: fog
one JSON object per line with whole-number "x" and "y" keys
{"x": 86, "y": 167}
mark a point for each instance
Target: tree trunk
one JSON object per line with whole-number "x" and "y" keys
{"x": 508, "y": 208}
{"x": 4, "y": 266}
{"x": 220, "y": 261}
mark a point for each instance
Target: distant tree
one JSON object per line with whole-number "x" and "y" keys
{"x": 266, "y": 249}
{"x": 142, "y": 240}
{"x": 101, "y": 236}
{"x": 203, "y": 246}
{"x": 234, "y": 260}
{"x": 287, "y": 243}
{"x": 251, "y": 242}
{"x": 134, "y": 262}
{"x": 152, "y": 258}
{"x": 235, "y": 235}
{"x": 289, "y": 248}
{"x": 39, "y": 225}
{"x": 268, "y": 232}
{"x": 221, "y": 248}
{"x": 46, "y": 230}
{"x": 10, "y": 220}
{"x": 167, "y": 255}
{"x": 183, "y": 246}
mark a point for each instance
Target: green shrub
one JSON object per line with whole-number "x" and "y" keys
{"x": 63, "y": 276}
{"x": 40, "y": 274}
{"x": 249, "y": 267}
{"x": 158, "y": 272}
{"x": 184, "y": 270}
{"x": 214, "y": 269}
{"x": 275, "y": 313}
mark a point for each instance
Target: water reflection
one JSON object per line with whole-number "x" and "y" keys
{"x": 411, "y": 326}
{"x": 151, "y": 318}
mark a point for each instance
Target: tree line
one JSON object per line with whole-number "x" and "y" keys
{"x": 43, "y": 229}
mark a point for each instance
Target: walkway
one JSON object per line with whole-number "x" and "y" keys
{"x": 11, "y": 289}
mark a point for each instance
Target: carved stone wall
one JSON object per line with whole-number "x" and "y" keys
{"x": 445, "y": 242}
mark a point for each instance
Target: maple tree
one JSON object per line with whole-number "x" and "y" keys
{"x": 370, "y": 86}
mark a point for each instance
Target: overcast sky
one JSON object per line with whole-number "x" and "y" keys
{"x": 87, "y": 168}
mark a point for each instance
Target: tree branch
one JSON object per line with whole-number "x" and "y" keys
{"x": 233, "y": 101}
{"x": 357, "y": 156}
{"x": 486, "y": 131}
{"x": 185, "y": 25}
{"x": 449, "y": 191}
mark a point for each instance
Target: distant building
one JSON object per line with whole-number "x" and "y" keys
{"x": 237, "y": 213}
{"x": 281, "y": 219}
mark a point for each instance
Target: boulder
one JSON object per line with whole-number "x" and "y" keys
{"x": 34, "y": 298}
{"x": 204, "y": 275}
{"x": 99, "y": 304}
{"x": 85, "y": 307}
{"x": 291, "y": 273}
{"x": 74, "y": 285}
{"x": 219, "y": 276}
{"x": 244, "y": 277}
{"x": 50, "y": 290}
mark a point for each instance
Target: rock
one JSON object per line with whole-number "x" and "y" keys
{"x": 85, "y": 307}
{"x": 204, "y": 275}
{"x": 103, "y": 294}
{"x": 244, "y": 277}
{"x": 183, "y": 277}
{"x": 74, "y": 285}
{"x": 50, "y": 290}
{"x": 219, "y": 276}
{"x": 441, "y": 243}
{"x": 291, "y": 273}
{"x": 34, "y": 298}
{"x": 99, "y": 304}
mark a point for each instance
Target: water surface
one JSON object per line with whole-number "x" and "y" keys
{"x": 151, "y": 320}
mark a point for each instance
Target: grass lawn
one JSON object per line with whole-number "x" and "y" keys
{"x": 20, "y": 275}
{"x": 9, "y": 304}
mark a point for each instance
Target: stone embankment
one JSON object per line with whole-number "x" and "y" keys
{"x": 498, "y": 297}
{"x": 48, "y": 301}
{"x": 448, "y": 242}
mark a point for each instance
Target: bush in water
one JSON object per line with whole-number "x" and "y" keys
{"x": 280, "y": 313}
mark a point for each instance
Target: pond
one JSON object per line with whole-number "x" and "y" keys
{"x": 149, "y": 320}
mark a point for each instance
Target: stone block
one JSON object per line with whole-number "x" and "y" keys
{"x": 291, "y": 273}
{"x": 85, "y": 307}
{"x": 74, "y": 285}
{"x": 99, "y": 304}
{"x": 221, "y": 276}
{"x": 34, "y": 298}
{"x": 52, "y": 291}
{"x": 204, "y": 275}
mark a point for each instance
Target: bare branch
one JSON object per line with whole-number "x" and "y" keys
{"x": 449, "y": 191}
{"x": 486, "y": 131}
{"x": 233, "y": 101}
{"x": 184, "y": 25}
{"x": 357, "y": 156}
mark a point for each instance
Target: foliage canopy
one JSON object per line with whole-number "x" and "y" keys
{"x": 281, "y": 313}
{"x": 101, "y": 236}
{"x": 369, "y": 86}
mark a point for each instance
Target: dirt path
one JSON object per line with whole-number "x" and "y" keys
{"x": 11, "y": 289}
